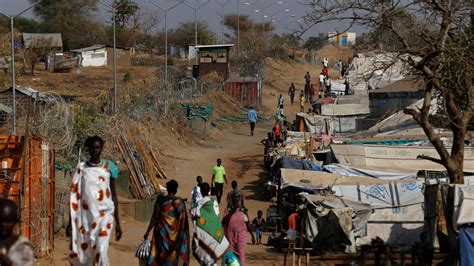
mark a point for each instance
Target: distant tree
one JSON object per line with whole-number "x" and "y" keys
{"x": 314, "y": 43}
{"x": 126, "y": 10}
{"x": 232, "y": 22}
{"x": 74, "y": 8}
{"x": 28, "y": 25}
{"x": 184, "y": 34}
{"x": 71, "y": 18}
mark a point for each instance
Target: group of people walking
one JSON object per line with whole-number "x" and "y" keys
{"x": 94, "y": 211}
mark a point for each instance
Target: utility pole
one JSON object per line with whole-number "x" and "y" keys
{"x": 196, "y": 24}
{"x": 238, "y": 28}
{"x": 114, "y": 53}
{"x": 222, "y": 14}
{"x": 12, "y": 30}
{"x": 166, "y": 34}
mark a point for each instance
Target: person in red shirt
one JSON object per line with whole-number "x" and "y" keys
{"x": 325, "y": 71}
{"x": 292, "y": 225}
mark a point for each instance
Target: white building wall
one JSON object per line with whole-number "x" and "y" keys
{"x": 351, "y": 38}
{"x": 94, "y": 58}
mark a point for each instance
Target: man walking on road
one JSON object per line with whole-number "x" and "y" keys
{"x": 307, "y": 85}
{"x": 291, "y": 92}
{"x": 218, "y": 178}
{"x": 252, "y": 119}
{"x": 281, "y": 102}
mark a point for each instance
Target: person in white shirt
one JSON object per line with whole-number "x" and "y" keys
{"x": 196, "y": 193}
{"x": 281, "y": 102}
{"x": 327, "y": 82}
{"x": 325, "y": 62}
{"x": 321, "y": 83}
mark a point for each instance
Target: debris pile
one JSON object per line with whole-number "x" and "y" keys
{"x": 141, "y": 161}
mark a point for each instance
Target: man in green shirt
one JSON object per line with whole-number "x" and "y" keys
{"x": 218, "y": 178}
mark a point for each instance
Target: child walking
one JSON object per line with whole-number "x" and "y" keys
{"x": 259, "y": 224}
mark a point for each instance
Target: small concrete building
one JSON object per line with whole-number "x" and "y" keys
{"x": 395, "y": 97}
{"x": 214, "y": 58}
{"x": 95, "y": 56}
{"x": 102, "y": 55}
{"x": 344, "y": 39}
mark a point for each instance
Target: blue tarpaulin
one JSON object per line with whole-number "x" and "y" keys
{"x": 466, "y": 242}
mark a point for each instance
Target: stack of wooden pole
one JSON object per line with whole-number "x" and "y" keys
{"x": 141, "y": 162}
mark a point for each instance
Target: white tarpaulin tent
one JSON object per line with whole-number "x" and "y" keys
{"x": 355, "y": 171}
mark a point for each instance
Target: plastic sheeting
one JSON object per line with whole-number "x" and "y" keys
{"x": 361, "y": 211}
{"x": 463, "y": 205}
{"x": 384, "y": 195}
{"x": 317, "y": 124}
{"x": 354, "y": 171}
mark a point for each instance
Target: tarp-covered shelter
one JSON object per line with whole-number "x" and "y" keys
{"x": 315, "y": 124}
{"x": 398, "y": 215}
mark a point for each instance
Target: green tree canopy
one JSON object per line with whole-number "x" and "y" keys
{"x": 184, "y": 34}
{"x": 71, "y": 18}
{"x": 314, "y": 43}
{"x": 126, "y": 9}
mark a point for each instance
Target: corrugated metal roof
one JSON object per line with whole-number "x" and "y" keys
{"x": 34, "y": 94}
{"x": 90, "y": 48}
{"x": 409, "y": 84}
{"x": 5, "y": 108}
{"x": 214, "y": 46}
{"x": 34, "y": 40}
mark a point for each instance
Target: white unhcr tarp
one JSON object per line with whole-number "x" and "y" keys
{"x": 390, "y": 195}
{"x": 355, "y": 171}
{"x": 321, "y": 180}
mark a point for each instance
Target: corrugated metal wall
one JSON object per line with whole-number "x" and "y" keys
{"x": 27, "y": 178}
{"x": 247, "y": 93}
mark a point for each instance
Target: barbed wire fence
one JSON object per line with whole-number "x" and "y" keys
{"x": 48, "y": 116}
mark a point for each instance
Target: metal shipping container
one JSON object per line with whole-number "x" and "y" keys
{"x": 247, "y": 91}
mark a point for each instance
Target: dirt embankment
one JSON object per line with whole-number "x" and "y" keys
{"x": 281, "y": 73}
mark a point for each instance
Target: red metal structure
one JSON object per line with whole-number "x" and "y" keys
{"x": 247, "y": 91}
{"x": 27, "y": 177}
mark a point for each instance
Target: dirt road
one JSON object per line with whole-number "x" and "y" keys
{"x": 242, "y": 156}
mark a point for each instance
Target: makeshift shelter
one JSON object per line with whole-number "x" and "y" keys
{"x": 52, "y": 42}
{"x": 396, "y": 96}
{"x": 95, "y": 55}
{"x": 102, "y": 55}
{"x": 345, "y": 116}
{"x": 398, "y": 216}
{"x": 397, "y": 154}
{"x": 315, "y": 124}
{"x": 352, "y": 217}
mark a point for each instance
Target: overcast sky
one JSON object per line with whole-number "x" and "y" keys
{"x": 210, "y": 12}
